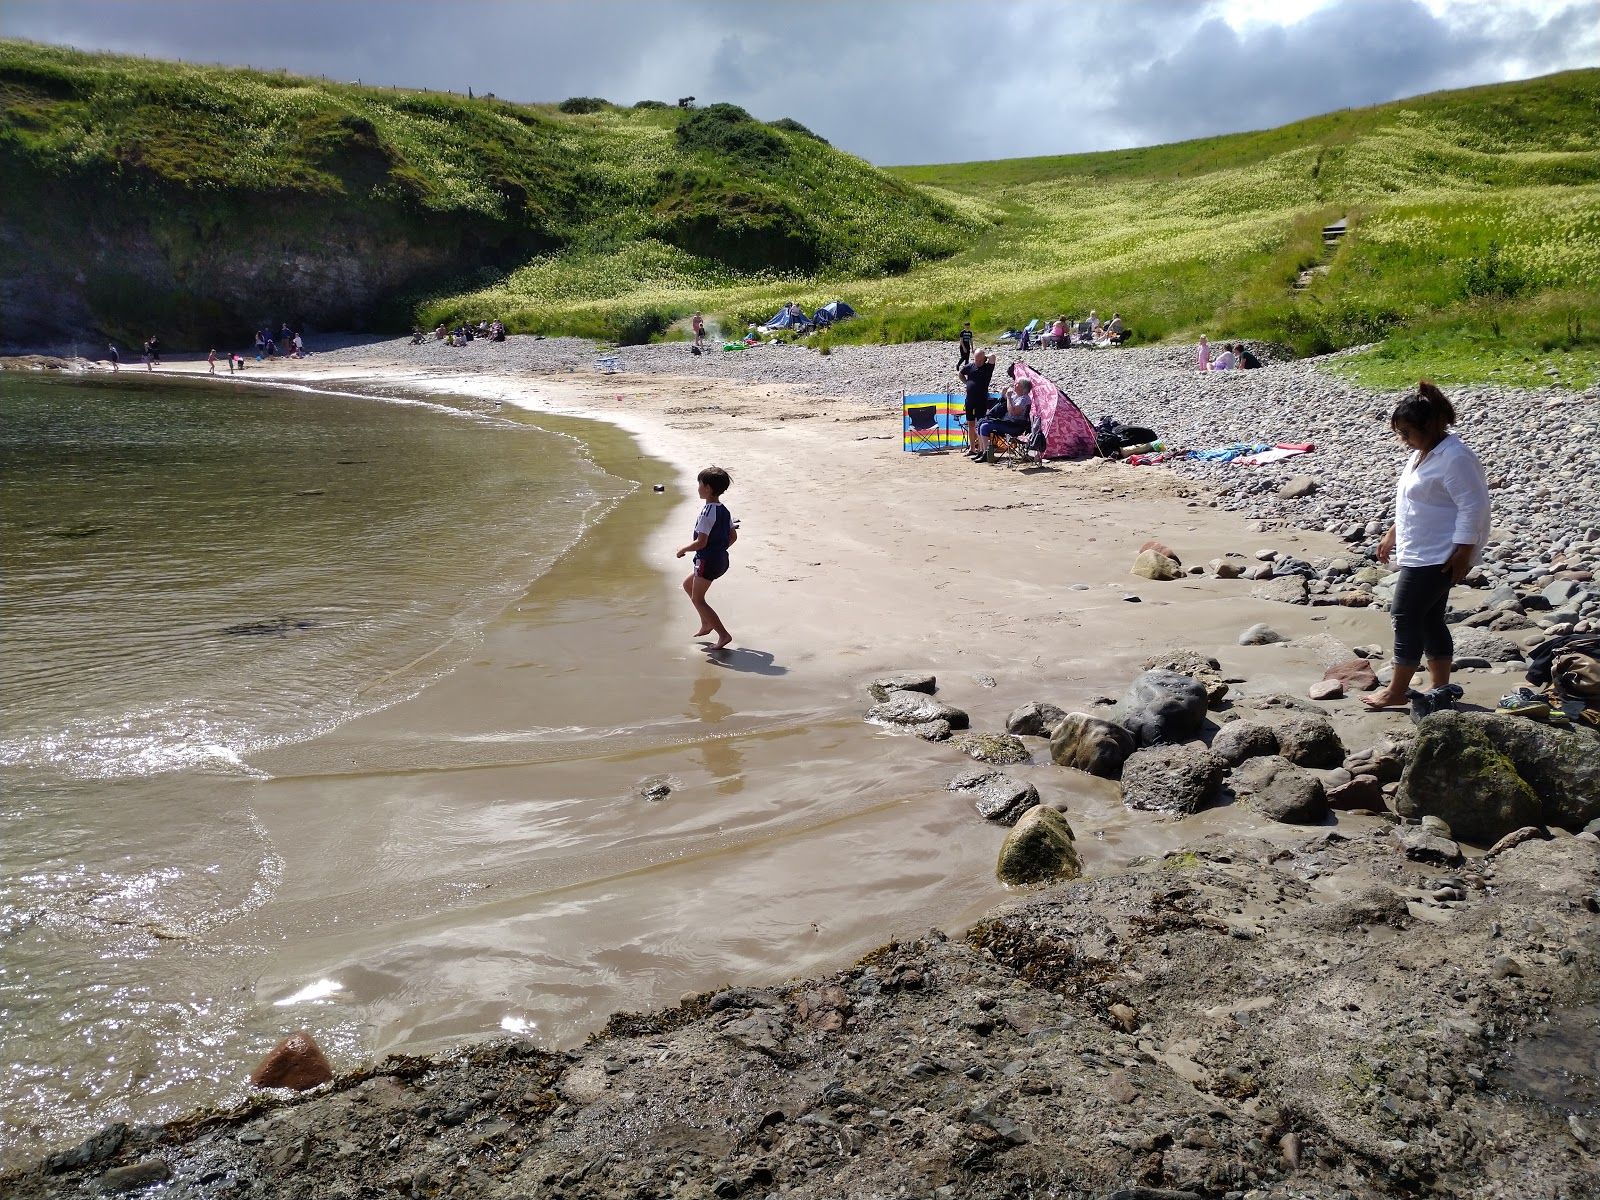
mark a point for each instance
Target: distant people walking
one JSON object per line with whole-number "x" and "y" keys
{"x": 1202, "y": 354}
{"x": 699, "y": 330}
{"x": 261, "y": 345}
{"x": 147, "y": 356}
{"x": 965, "y": 355}
{"x": 155, "y": 350}
{"x": 212, "y": 359}
{"x": 299, "y": 347}
{"x": 116, "y": 359}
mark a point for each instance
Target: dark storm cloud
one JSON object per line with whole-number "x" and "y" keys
{"x": 895, "y": 82}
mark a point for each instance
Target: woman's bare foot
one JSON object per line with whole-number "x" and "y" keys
{"x": 1387, "y": 698}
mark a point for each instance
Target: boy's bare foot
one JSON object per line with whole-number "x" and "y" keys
{"x": 1387, "y": 698}
{"x": 723, "y": 642}
{"x": 702, "y": 631}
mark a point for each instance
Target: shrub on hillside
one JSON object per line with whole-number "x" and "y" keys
{"x": 728, "y": 130}
{"x": 794, "y": 126}
{"x": 1491, "y": 276}
{"x": 652, "y": 104}
{"x": 579, "y": 105}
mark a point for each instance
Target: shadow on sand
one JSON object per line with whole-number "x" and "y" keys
{"x": 738, "y": 658}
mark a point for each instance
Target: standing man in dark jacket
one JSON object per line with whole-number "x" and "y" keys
{"x": 975, "y": 378}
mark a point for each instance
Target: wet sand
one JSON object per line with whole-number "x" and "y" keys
{"x": 480, "y": 856}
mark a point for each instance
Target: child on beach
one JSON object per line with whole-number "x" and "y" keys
{"x": 212, "y": 359}
{"x": 714, "y": 532}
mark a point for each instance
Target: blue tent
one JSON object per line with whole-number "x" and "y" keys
{"x": 786, "y": 320}
{"x": 829, "y": 313}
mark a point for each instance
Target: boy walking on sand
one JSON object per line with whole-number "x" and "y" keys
{"x": 714, "y": 532}
{"x": 966, "y": 345}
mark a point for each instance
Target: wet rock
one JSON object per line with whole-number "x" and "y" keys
{"x": 1174, "y": 779}
{"x": 1239, "y": 740}
{"x": 1277, "y": 789}
{"x": 1516, "y": 837}
{"x": 1364, "y": 792}
{"x": 1386, "y": 761}
{"x": 915, "y": 708}
{"x": 1090, "y": 744}
{"x": 1035, "y": 719}
{"x": 997, "y": 748}
{"x": 96, "y": 1149}
{"x": 1356, "y": 674}
{"x": 1309, "y": 740}
{"x": 1424, "y": 846}
{"x": 1202, "y": 668}
{"x": 996, "y": 796}
{"x": 135, "y": 1176}
{"x": 1458, "y": 774}
{"x": 931, "y": 731}
{"x": 1284, "y": 589}
{"x": 1260, "y": 635}
{"x": 1038, "y": 849}
{"x": 1326, "y": 689}
{"x": 656, "y": 787}
{"x": 1163, "y": 706}
{"x": 1151, "y": 565}
{"x": 1562, "y": 766}
{"x": 296, "y": 1062}
{"x": 902, "y": 681}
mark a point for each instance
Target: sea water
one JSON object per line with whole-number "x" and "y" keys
{"x": 193, "y": 573}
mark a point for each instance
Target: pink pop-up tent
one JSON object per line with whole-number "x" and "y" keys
{"x": 1067, "y": 432}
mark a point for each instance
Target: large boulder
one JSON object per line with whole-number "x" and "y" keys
{"x": 1309, "y": 740}
{"x": 1038, "y": 849}
{"x": 997, "y": 797}
{"x": 1175, "y": 779}
{"x": 1562, "y": 766}
{"x": 902, "y": 681}
{"x": 1280, "y": 791}
{"x": 1152, "y": 564}
{"x": 1089, "y": 744}
{"x": 915, "y": 708}
{"x": 1163, "y": 706}
{"x": 1239, "y": 740}
{"x": 997, "y": 748}
{"x": 1034, "y": 719}
{"x": 1458, "y": 774}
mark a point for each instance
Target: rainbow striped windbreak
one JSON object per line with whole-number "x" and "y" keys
{"x": 950, "y": 414}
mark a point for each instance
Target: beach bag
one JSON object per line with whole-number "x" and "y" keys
{"x": 1576, "y": 674}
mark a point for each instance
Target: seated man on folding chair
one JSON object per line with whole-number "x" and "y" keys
{"x": 1018, "y": 401}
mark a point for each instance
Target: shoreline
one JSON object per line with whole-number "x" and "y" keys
{"x": 1022, "y": 637}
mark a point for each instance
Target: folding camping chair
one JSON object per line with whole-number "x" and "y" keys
{"x": 922, "y": 432}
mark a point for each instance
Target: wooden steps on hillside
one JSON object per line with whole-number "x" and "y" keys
{"x": 1331, "y": 236}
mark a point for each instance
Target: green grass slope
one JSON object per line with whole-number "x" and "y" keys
{"x": 203, "y": 196}
{"x": 1473, "y": 251}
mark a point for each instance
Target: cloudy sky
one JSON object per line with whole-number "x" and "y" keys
{"x": 895, "y": 81}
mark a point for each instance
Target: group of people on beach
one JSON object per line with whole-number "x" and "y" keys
{"x": 1234, "y": 357}
{"x": 493, "y": 331}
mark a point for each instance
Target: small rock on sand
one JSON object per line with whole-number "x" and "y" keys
{"x": 1260, "y": 635}
{"x": 1326, "y": 689}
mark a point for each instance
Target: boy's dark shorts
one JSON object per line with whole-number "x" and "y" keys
{"x": 709, "y": 567}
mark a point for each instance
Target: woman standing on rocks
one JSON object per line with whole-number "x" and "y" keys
{"x": 1441, "y": 521}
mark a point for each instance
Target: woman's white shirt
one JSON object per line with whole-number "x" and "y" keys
{"x": 1440, "y": 503}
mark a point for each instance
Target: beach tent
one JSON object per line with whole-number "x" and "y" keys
{"x": 1067, "y": 432}
{"x": 829, "y": 313}
{"x": 785, "y": 320}
{"x": 950, "y": 416}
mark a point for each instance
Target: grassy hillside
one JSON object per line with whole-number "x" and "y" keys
{"x": 196, "y": 200}
{"x": 118, "y": 160}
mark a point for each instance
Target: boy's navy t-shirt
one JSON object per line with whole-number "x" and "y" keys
{"x": 717, "y": 524}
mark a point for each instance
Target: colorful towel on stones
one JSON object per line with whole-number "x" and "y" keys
{"x": 1278, "y": 453}
{"x": 1067, "y": 432}
{"x": 1228, "y": 454}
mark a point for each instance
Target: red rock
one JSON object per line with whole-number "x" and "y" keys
{"x": 296, "y": 1062}
{"x": 1356, "y": 674}
{"x": 1152, "y": 544}
{"x": 1362, "y": 792}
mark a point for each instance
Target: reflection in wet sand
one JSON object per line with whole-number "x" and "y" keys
{"x": 719, "y": 754}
